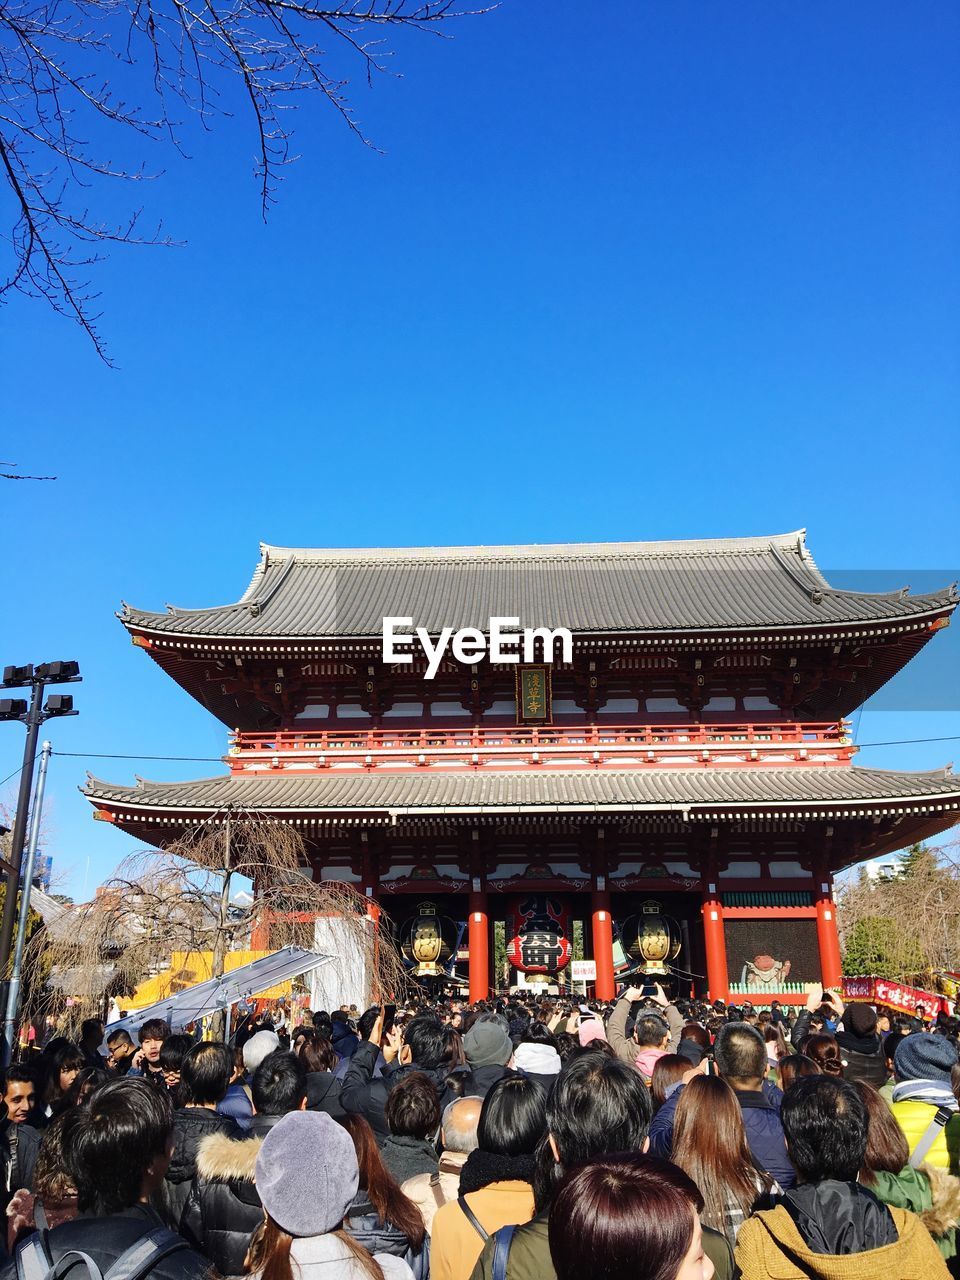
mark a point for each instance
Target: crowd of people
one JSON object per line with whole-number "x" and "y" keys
{"x": 524, "y": 1138}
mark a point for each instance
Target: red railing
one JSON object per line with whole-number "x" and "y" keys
{"x": 618, "y": 746}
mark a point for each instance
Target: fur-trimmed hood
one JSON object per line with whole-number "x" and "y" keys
{"x": 944, "y": 1214}
{"x": 224, "y": 1159}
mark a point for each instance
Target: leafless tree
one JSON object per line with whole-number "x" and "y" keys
{"x": 181, "y": 899}
{"x": 70, "y": 69}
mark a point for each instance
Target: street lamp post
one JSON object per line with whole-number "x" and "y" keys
{"x": 13, "y": 995}
{"x": 32, "y": 714}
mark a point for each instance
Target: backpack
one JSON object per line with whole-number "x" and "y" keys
{"x": 35, "y": 1262}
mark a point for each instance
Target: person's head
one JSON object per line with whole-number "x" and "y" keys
{"x": 19, "y": 1093}
{"x": 63, "y": 1064}
{"x": 650, "y": 1031}
{"x": 710, "y": 1145}
{"x": 668, "y": 1070}
{"x": 598, "y": 1104}
{"x": 172, "y": 1053}
{"x": 825, "y": 1125}
{"x": 513, "y": 1119}
{"x": 317, "y": 1055}
{"x": 205, "y": 1073}
{"x": 825, "y": 1052}
{"x": 887, "y": 1148}
{"x": 860, "y": 1020}
{"x": 453, "y": 1051}
{"x": 920, "y": 1056}
{"x": 741, "y": 1056}
{"x": 628, "y": 1215}
{"x": 487, "y": 1044}
{"x": 423, "y": 1044}
{"x": 119, "y": 1145}
{"x": 85, "y": 1085}
{"x": 365, "y": 1023}
{"x": 91, "y": 1033}
{"x": 52, "y": 1180}
{"x": 257, "y": 1048}
{"x": 279, "y": 1085}
{"x": 151, "y": 1036}
{"x": 458, "y": 1125}
{"x": 120, "y": 1046}
{"x": 413, "y": 1107}
{"x": 793, "y": 1066}
{"x": 694, "y": 1031}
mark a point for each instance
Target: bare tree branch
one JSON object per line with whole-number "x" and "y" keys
{"x": 183, "y": 56}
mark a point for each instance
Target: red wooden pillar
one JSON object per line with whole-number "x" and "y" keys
{"x": 828, "y": 939}
{"x": 718, "y": 987}
{"x": 479, "y": 946}
{"x": 603, "y": 944}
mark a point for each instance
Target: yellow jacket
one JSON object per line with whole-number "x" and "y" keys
{"x": 914, "y": 1116}
{"x": 455, "y": 1243}
{"x": 769, "y": 1247}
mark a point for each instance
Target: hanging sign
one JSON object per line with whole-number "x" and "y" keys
{"x": 533, "y": 695}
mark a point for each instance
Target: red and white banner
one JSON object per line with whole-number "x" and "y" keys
{"x": 895, "y": 995}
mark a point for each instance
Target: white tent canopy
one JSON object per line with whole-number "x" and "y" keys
{"x": 219, "y": 993}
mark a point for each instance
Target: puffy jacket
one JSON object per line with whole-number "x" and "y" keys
{"x": 26, "y": 1140}
{"x": 236, "y": 1106}
{"x": 190, "y": 1126}
{"x": 761, "y": 1120}
{"x": 455, "y": 1243}
{"x": 932, "y": 1194}
{"x": 344, "y": 1039}
{"x": 482, "y": 1079}
{"x": 223, "y": 1206}
{"x": 430, "y": 1191}
{"x": 383, "y": 1239}
{"x": 364, "y": 1096}
{"x": 913, "y": 1115}
{"x": 105, "y": 1239}
{"x": 770, "y": 1244}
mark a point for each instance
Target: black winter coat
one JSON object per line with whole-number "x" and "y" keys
{"x": 363, "y": 1096}
{"x": 190, "y": 1126}
{"x": 223, "y": 1208}
{"x": 105, "y": 1239}
{"x": 323, "y": 1094}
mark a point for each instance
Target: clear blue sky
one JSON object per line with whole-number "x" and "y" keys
{"x": 629, "y": 271}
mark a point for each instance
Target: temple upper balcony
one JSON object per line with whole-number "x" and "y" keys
{"x": 549, "y": 748}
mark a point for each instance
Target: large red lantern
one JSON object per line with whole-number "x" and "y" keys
{"x": 540, "y": 942}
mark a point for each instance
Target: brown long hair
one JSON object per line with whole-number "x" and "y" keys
{"x": 887, "y": 1149}
{"x": 710, "y": 1145}
{"x": 825, "y": 1052}
{"x": 383, "y": 1191}
{"x": 269, "y": 1253}
{"x": 668, "y": 1070}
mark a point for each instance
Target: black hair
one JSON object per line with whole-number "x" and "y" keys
{"x": 513, "y": 1118}
{"x": 412, "y": 1108}
{"x": 153, "y": 1029}
{"x": 111, "y": 1142}
{"x": 206, "y": 1072}
{"x": 17, "y": 1073}
{"x": 649, "y": 1030}
{"x": 321, "y": 1019}
{"x": 825, "y": 1125}
{"x": 89, "y": 1025}
{"x": 740, "y": 1052}
{"x": 279, "y": 1084}
{"x": 537, "y": 1033}
{"x": 339, "y": 1015}
{"x": 120, "y": 1036}
{"x": 85, "y": 1085}
{"x": 367, "y": 1021}
{"x": 597, "y": 1105}
{"x": 173, "y": 1052}
{"x": 423, "y": 1036}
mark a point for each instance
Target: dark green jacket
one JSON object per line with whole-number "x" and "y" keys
{"x": 932, "y": 1194}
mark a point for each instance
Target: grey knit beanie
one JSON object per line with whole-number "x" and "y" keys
{"x": 922, "y": 1056}
{"x": 306, "y": 1173}
{"x": 486, "y": 1044}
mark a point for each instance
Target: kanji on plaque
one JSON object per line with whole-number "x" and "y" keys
{"x": 533, "y": 694}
